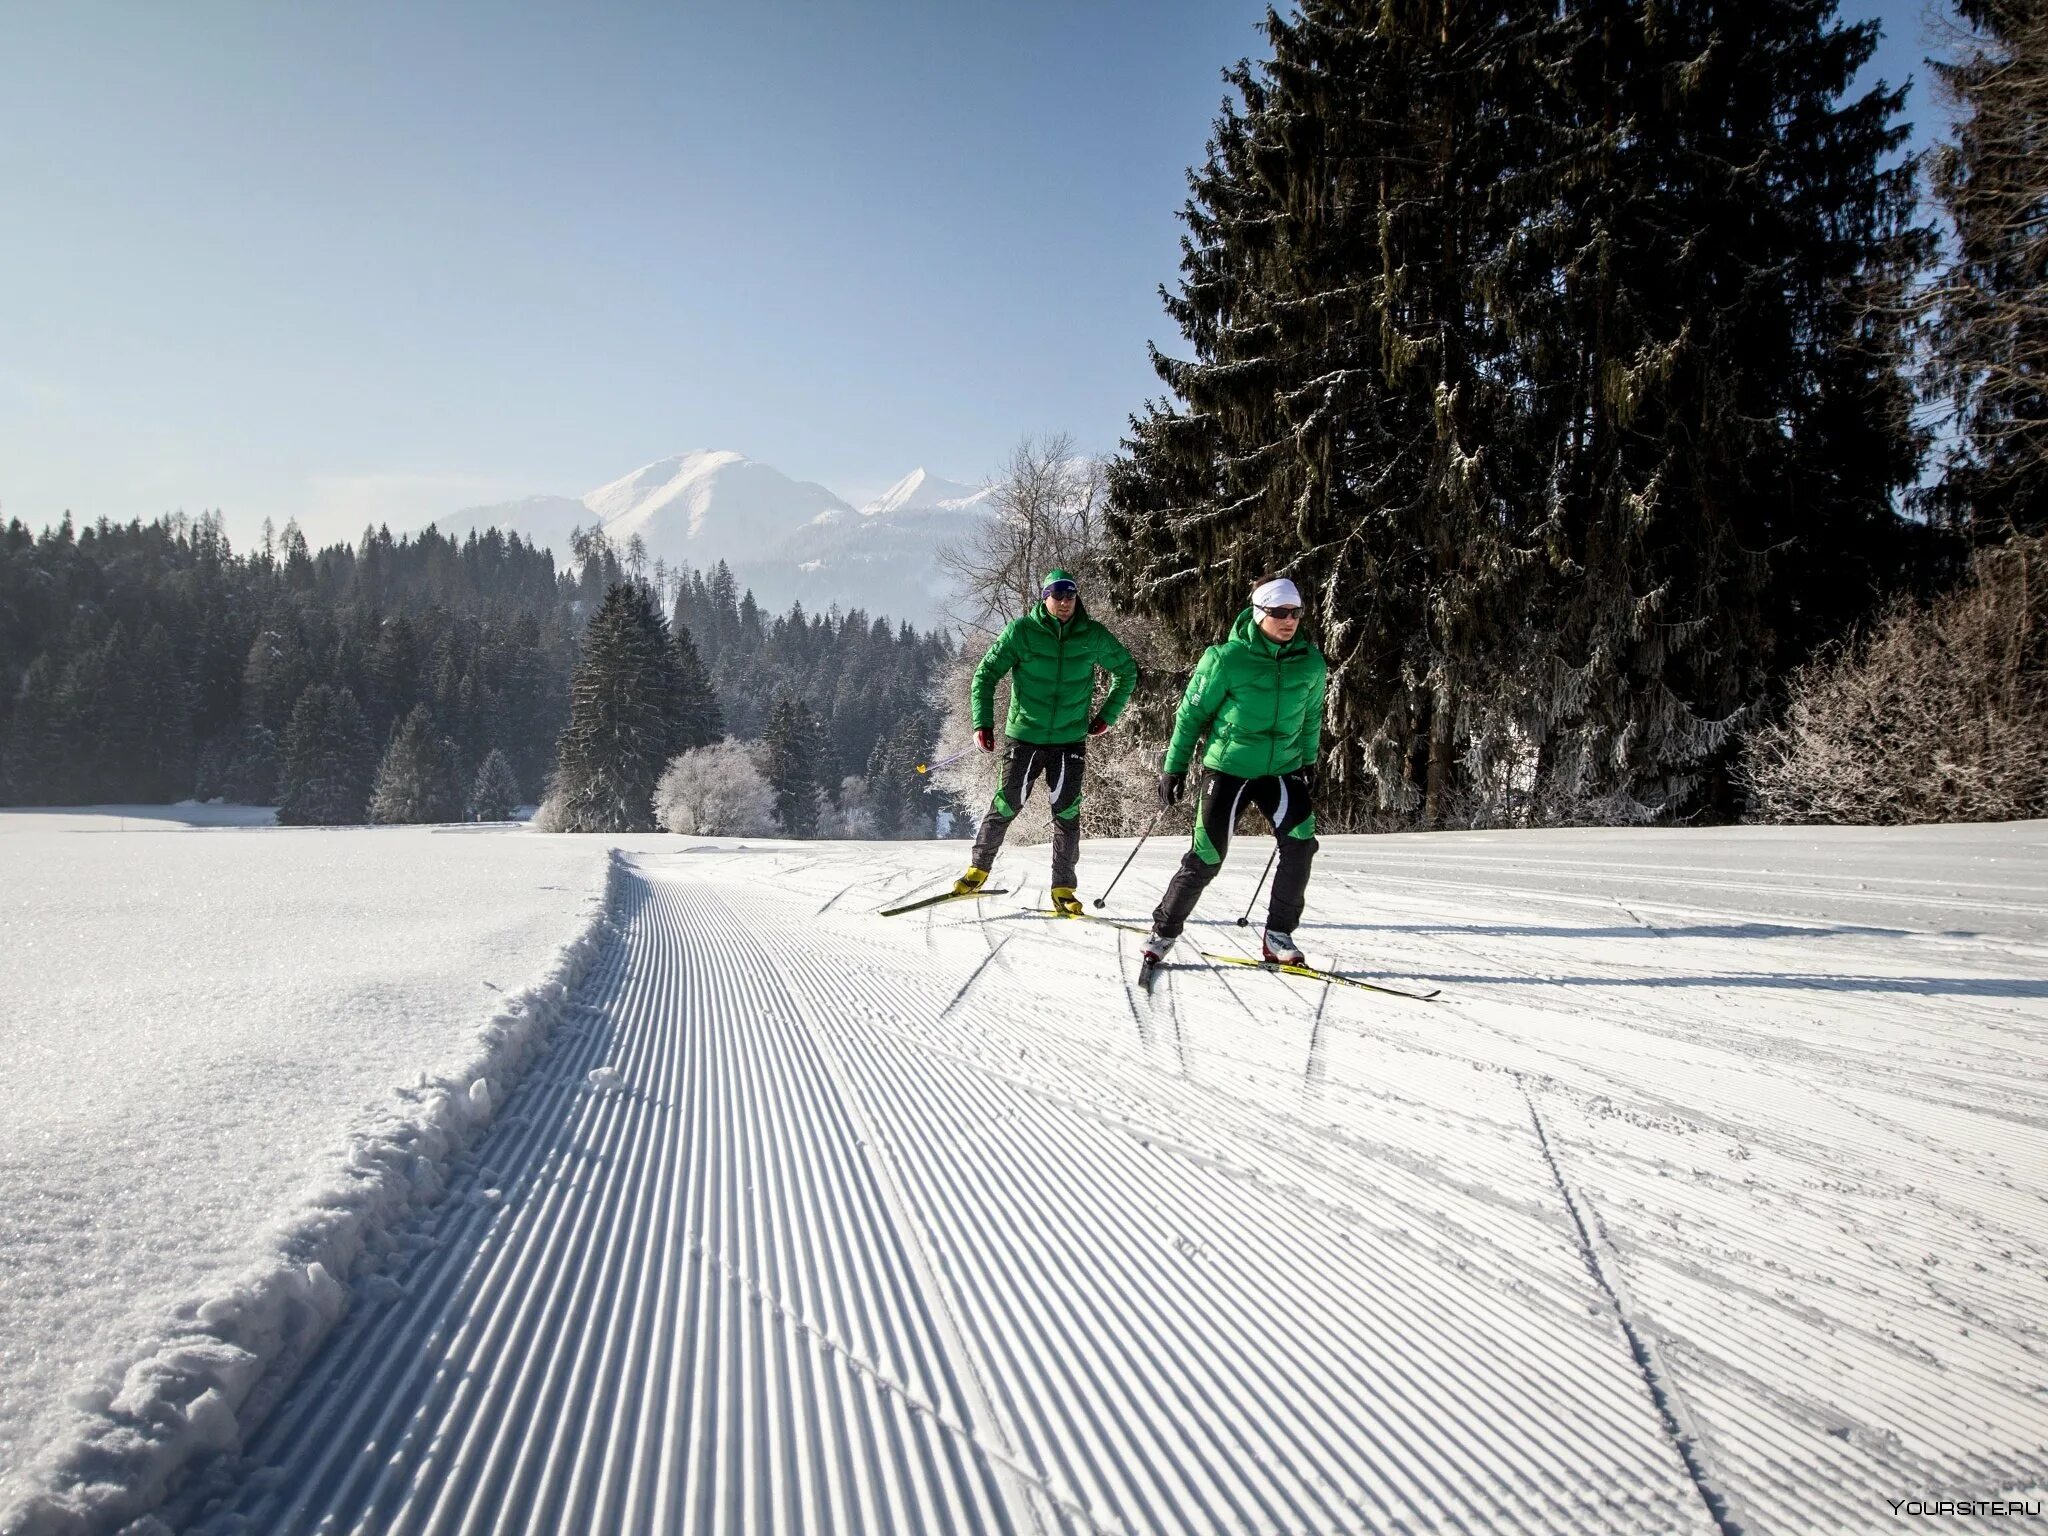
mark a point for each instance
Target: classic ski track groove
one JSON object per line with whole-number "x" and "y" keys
{"x": 902, "y": 1233}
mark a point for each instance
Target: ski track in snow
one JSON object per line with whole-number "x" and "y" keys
{"x": 937, "y": 1224}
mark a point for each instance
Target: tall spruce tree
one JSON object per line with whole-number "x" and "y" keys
{"x": 1545, "y": 350}
{"x": 32, "y": 767}
{"x": 793, "y": 741}
{"x": 416, "y": 781}
{"x": 326, "y": 772}
{"x": 1727, "y": 410}
{"x": 1347, "y": 416}
{"x": 702, "y": 721}
{"x": 163, "y": 720}
{"x": 276, "y": 672}
{"x": 625, "y": 718}
{"x": 1987, "y": 311}
{"x": 495, "y": 795}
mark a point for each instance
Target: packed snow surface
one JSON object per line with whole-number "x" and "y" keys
{"x": 1708, "y": 1197}
{"x": 198, "y": 1025}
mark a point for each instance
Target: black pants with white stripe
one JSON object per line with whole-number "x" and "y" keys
{"x": 1288, "y": 806}
{"x": 1061, "y": 768}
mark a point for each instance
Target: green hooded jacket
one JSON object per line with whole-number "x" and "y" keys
{"x": 1260, "y": 702}
{"x": 1052, "y": 677}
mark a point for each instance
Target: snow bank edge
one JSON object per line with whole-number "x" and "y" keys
{"x": 217, "y": 1365}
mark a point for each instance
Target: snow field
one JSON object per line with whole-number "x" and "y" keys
{"x": 200, "y": 1036}
{"x": 1710, "y": 1196}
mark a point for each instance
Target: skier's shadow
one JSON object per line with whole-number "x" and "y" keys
{"x": 1749, "y": 930}
{"x": 1788, "y": 981}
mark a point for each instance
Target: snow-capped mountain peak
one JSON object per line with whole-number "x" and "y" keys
{"x": 708, "y": 505}
{"x": 921, "y": 491}
{"x": 784, "y": 538}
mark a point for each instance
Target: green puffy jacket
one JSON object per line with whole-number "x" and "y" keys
{"x": 1052, "y": 677}
{"x": 1260, "y": 702}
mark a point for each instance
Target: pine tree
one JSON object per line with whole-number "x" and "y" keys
{"x": 326, "y": 770}
{"x": 495, "y": 794}
{"x": 416, "y": 781}
{"x": 34, "y": 760}
{"x": 1987, "y": 311}
{"x": 163, "y": 718}
{"x": 900, "y": 798}
{"x": 792, "y": 742}
{"x": 1727, "y": 409}
{"x": 85, "y": 715}
{"x": 395, "y": 665}
{"x": 1547, "y": 352}
{"x": 242, "y": 768}
{"x": 124, "y": 739}
{"x": 625, "y": 718}
{"x": 702, "y": 720}
{"x": 276, "y": 673}
{"x": 1347, "y": 415}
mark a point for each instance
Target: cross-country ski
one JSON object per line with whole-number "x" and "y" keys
{"x": 943, "y": 896}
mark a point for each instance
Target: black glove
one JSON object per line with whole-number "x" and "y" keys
{"x": 1097, "y": 726}
{"x": 1306, "y": 773}
{"x": 1171, "y": 787}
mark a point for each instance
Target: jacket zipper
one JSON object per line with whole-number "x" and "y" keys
{"x": 1272, "y": 752}
{"x": 1059, "y": 666}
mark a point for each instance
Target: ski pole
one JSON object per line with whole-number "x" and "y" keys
{"x": 944, "y": 761}
{"x": 1149, "y": 828}
{"x": 1245, "y": 921}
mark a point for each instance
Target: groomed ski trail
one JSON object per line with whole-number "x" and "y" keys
{"x": 1685, "y": 1196}
{"x": 836, "y": 1258}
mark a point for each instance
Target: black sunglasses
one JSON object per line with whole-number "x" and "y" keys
{"x": 1282, "y": 613}
{"x": 1062, "y": 589}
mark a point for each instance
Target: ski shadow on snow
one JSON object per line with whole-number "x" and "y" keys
{"x": 1787, "y": 981}
{"x": 1750, "y": 930}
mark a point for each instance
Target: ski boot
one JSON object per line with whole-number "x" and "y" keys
{"x": 1150, "y": 956}
{"x": 1066, "y": 903}
{"x": 1281, "y": 949}
{"x": 970, "y": 882}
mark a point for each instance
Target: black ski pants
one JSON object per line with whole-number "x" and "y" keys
{"x": 1288, "y": 806}
{"x": 1061, "y": 768}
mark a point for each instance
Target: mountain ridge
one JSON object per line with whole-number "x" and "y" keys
{"x": 787, "y": 539}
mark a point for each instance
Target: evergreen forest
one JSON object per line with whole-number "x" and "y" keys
{"x": 407, "y": 679}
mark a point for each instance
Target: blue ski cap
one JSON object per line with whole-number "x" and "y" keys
{"x": 1058, "y": 583}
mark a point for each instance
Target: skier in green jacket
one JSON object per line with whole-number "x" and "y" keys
{"x": 1259, "y": 696}
{"x": 1050, "y": 656}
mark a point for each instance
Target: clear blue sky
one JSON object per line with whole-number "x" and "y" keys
{"x": 374, "y": 260}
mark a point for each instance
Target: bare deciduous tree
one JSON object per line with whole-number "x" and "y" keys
{"x": 1046, "y": 511}
{"x": 1939, "y": 714}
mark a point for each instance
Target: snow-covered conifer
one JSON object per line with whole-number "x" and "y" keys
{"x": 416, "y": 781}
{"x": 702, "y": 721}
{"x": 495, "y": 794}
{"x": 33, "y": 764}
{"x": 624, "y": 719}
{"x": 792, "y": 743}
{"x": 326, "y": 776}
